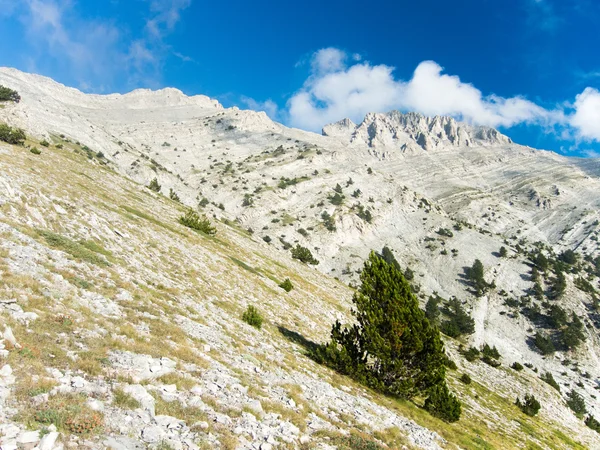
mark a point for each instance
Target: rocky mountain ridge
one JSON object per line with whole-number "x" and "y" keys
{"x": 439, "y": 193}
{"x": 410, "y": 131}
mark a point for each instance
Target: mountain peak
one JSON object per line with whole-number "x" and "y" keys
{"x": 411, "y": 131}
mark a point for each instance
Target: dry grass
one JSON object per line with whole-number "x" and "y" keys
{"x": 68, "y": 412}
{"x": 188, "y": 414}
{"x": 182, "y": 382}
{"x": 124, "y": 400}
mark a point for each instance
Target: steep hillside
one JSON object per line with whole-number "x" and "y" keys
{"x": 101, "y": 283}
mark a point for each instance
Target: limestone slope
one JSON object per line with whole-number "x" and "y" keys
{"x": 415, "y": 175}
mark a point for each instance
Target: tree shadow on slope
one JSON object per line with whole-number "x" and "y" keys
{"x": 295, "y": 337}
{"x": 464, "y": 279}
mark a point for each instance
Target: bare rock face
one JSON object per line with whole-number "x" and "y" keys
{"x": 412, "y": 131}
{"x": 342, "y": 129}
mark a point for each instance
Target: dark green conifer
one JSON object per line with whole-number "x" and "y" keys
{"x": 392, "y": 347}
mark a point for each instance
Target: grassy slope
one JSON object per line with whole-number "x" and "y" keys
{"x": 90, "y": 230}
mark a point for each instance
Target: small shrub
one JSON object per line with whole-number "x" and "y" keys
{"x": 173, "y": 195}
{"x": 304, "y": 255}
{"x": 287, "y": 285}
{"x": 529, "y": 406}
{"x": 84, "y": 422}
{"x": 267, "y": 239}
{"x": 449, "y": 363}
{"x": 475, "y": 274}
{"x": 154, "y": 186}
{"x": 592, "y": 423}
{"x": 548, "y": 378}
{"x": 328, "y": 221}
{"x": 492, "y": 352}
{"x": 45, "y": 143}
{"x": 471, "y": 354}
{"x": 336, "y": 199}
{"x": 9, "y": 95}
{"x": 35, "y": 151}
{"x": 503, "y": 252}
{"x": 14, "y": 136}
{"x": 516, "y": 366}
{"x": 248, "y": 200}
{"x": 443, "y": 404}
{"x": 192, "y": 220}
{"x": 252, "y": 317}
{"x": 465, "y": 378}
{"x": 444, "y": 232}
{"x": 576, "y": 403}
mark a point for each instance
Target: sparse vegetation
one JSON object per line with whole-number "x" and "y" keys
{"x": 286, "y": 285}
{"x": 10, "y": 135}
{"x": 124, "y": 400}
{"x": 154, "y": 186}
{"x": 192, "y": 220}
{"x": 252, "y": 317}
{"x": 173, "y": 195}
{"x": 576, "y": 403}
{"x": 530, "y": 405}
{"x": 475, "y": 274}
{"x": 516, "y": 366}
{"x": 548, "y": 378}
{"x": 9, "y": 95}
{"x": 304, "y": 255}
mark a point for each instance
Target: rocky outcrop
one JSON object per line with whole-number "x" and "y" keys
{"x": 412, "y": 130}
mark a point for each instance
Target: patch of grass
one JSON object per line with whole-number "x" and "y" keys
{"x": 67, "y": 412}
{"x": 150, "y": 219}
{"x": 245, "y": 266}
{"x": 177, "y": 379}
{"x": 90, "y": 363}
{"x": 298, "y": 418}
{"x": 124, "y": 400}
{"x": 97, "y": 248}
{"x": 189, "y": 414}
{"x": 30, "y": 387}
{"x": 353, "y": 441}
{"x": 75, "y": 249}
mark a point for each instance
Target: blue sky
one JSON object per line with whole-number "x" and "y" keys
{"x": 528, "y": 67}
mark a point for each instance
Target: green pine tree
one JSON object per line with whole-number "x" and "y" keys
{"x": 392, "y": 347}
{"x": 432, "y": 310}
{"x": 475, "y": 274}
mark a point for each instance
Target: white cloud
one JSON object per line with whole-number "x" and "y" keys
{"x": 334, "y": 91}
{"x": 94, "y": 52}
{"x": 328, "y": 60}
{"x": 167, "y": 14}
{"x": 586, "y": 118}
{"x": 88, "y": 48}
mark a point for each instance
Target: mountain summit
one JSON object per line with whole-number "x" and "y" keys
{"x": 125, "y": 325}
{"x": 410, "y": 131}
